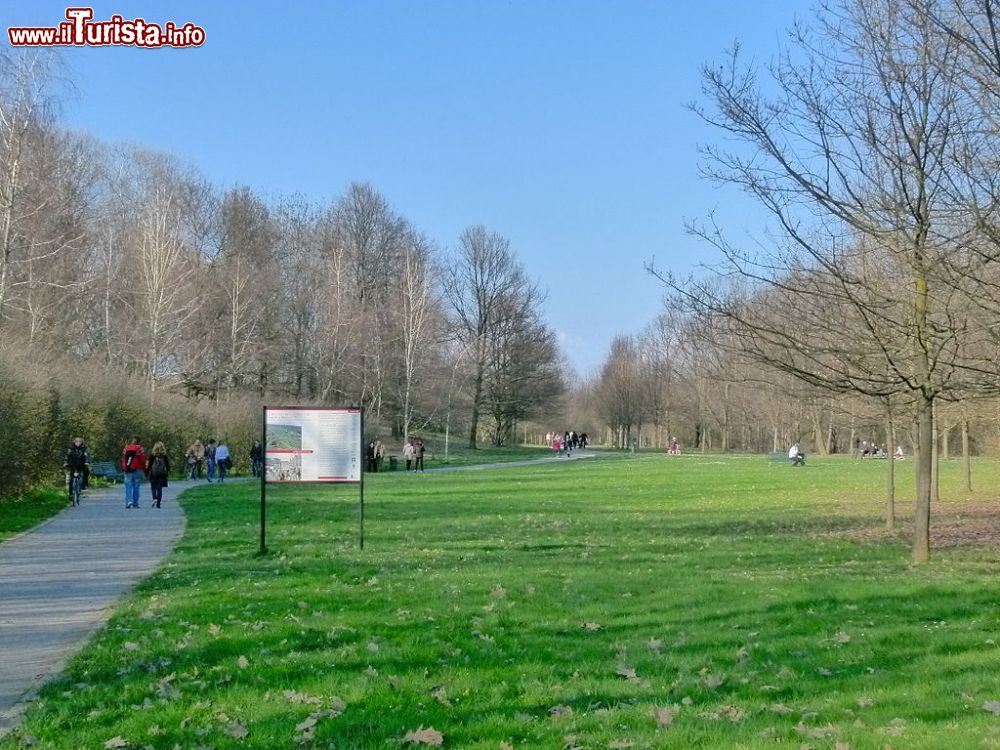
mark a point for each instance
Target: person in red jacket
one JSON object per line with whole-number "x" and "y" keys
{"x": 133, "y": 464}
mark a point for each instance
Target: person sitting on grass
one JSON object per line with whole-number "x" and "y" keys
{"x": 797, "y": 457}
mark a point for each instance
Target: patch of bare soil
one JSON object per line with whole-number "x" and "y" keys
{"x": 953, "y": 524}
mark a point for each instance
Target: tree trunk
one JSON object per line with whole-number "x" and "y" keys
{"x": 922, "y": 514}
{"x": 966, "y": 457}
{"x": 935, "y": 459}
{"x": 890, "y": 478}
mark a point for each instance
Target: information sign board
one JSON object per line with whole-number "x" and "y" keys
{"x": 312, "y": 445}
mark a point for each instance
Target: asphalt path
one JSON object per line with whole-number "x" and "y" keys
{"x": 59, "y": 582}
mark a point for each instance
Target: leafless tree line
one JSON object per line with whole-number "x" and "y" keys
{"x": 131, "y": 258}
{"x": 871, "y": 139}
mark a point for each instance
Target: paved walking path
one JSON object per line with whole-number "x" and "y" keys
{"x": 562, "y": 458}
{"x": 59, "y": 581}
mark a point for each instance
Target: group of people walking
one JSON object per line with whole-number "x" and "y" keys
{"x": 212, "y": 456}
{"x": 136, "y": 463}
{"x": 565, "y": 442}
{"x": 413, "y": 453}
{"x": 154, "y": 465}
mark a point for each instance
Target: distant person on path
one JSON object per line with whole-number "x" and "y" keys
{"x": 210, "y": 460}
{"x": 409, "y": 453}
{"x": 797, "y": 457}
{"x": 370, "y": 456}
{"x": 557, "y": 444}
{"x": 77, "y": 459}
{"x": 256, "y": 458}
{"x": 379, "y": 453}
{"x": 157, "y": 471}
{"x": 899, "y": 455}
{"x": 222, "y": 461}
{"x": 195, "y": 457}
{"x": 134, "y": 465}
{"x": 418, "y": 452}
{"x": 583, "y": 440}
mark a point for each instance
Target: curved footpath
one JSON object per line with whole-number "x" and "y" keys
{"x": 59, "y": 581}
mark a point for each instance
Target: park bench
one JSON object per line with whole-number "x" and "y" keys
{"x": 107, "y": 470}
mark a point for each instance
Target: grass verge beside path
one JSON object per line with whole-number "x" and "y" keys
{"x": 655, "y": 602}
{"x": 23, "y": 513}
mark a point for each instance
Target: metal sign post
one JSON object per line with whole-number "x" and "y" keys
{"x": 311, "y": 445}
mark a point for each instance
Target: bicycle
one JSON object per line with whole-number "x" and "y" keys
{"x": 75, "y": 486}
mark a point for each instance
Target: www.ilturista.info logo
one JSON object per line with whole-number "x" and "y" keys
{"x": 80, "y": 30}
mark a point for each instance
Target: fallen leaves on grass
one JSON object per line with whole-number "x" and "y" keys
{"x": 561, "y": 710}
{"x": 421, "y": 736}
{"x": 303, "y": 698}
{"x": 440, "y": 694}
{"x": 623, "y": 670}
{"x": 243, "y": 662}
{"x": 116, "y": 742}
{"x": 237, "y": 731}
{"x": 592, "y": 627}
{"x": 663, "y": 715}
{"x": 992, "y": 706}
{"x": 307, "y": 728}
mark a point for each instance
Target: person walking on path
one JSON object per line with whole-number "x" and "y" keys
{"x": 418, "y": 452}
{"x": 256, "y": 458}
{"x": 157, "y": 471}
{"x": 408, "y": 454}
{"x": 195, "y": 456}
{"x": 379, "y": 453}
{"x": 133, "y": 464}
{"x": 210, "y": 460}
{"x": 76, "y": 459}
{"x": 222, "y": 462}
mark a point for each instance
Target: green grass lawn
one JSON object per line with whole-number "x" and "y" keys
{"x": 644, "y": 602}
{"x": 22, "y": 513}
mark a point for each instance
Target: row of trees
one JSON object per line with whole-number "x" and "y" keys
{"x": 872, "y": 141}
{"x": 130, "y": 259}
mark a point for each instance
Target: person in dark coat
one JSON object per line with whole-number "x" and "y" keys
{"x": 157, "y": 470}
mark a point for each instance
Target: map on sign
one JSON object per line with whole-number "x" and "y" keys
{"x": 312, "y": 445}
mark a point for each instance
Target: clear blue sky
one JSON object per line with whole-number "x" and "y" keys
{"x": 561, "y": 125}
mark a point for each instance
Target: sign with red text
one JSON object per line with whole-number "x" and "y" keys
{"x": 306, "y": 444}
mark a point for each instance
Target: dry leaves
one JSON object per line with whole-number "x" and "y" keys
{"x": 663, "y": 715}
{"x": 421, "y": 736}
{"x": 992, "y": 706}
{"x": 116, "y": 742}
{"x": 237, "y": 731}
{"x": 623, "y": 670}
{"x": 243, "y": 662}
{"x": 591, "y": 627}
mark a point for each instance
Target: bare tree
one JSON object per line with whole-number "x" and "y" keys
{"x": 483, "y": 286}
{"x": 28, "y": 80}
{"x": 859, "y": 292}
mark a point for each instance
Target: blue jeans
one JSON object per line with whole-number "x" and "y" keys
{"x": 132, "y": 480}
{"x": 211, "y": 468}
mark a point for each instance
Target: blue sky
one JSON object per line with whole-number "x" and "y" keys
{"x": 561, "y": 125}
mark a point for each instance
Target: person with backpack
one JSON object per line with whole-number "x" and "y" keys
{"x": 157, "y": 470}
{"x": 134, "y": 465}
